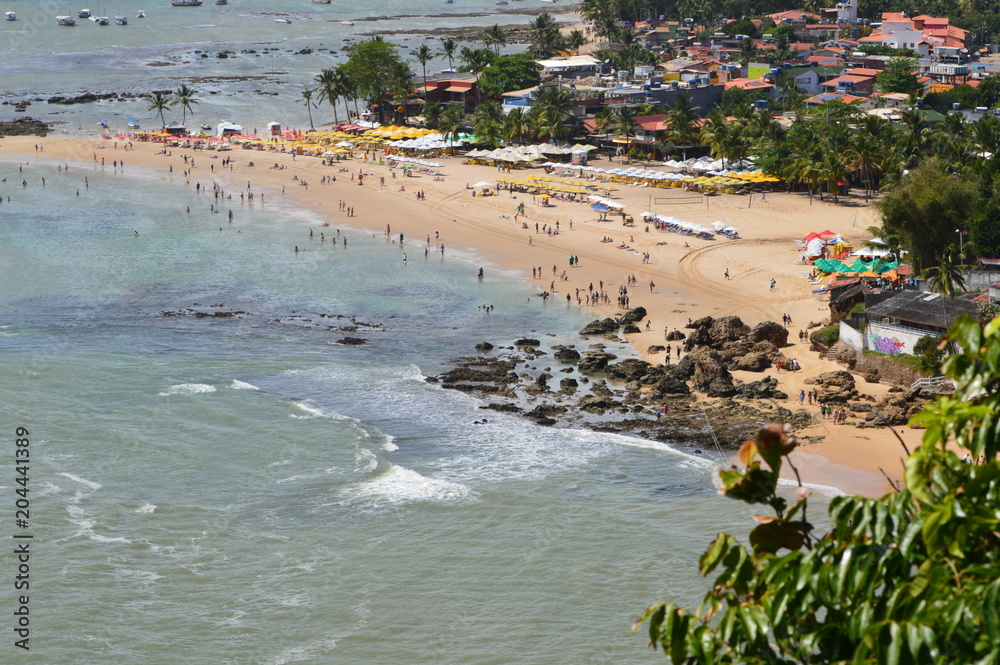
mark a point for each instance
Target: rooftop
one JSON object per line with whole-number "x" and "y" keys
{"x": 923, "y": 308}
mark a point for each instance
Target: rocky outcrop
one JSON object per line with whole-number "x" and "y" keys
{"x": 630, "y": 328}
{"x": 595, "y": 362}
{"x": 527, "y": 341}
{"x": 24, "y": 127}
{"x": 484, "y": 347}
{"x": 600, "y": 327}
{"x": 710, "y": 376}
{"x": 728, "y": 329}
{"x": 754, "y": 361}
{"x": 766, "y": 388}
{"x": 769, "y": 331}
{"x": 567, "y": 355}
{"x": 633, "y": 315}
{"x": 836, "y": 387}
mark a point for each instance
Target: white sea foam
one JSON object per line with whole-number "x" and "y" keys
{"x": 314, "y": 410}
{"x": 188, "y": 389}
{"x": 365, "y": 460}
{"x": 242, "y": 385}
{"x": 146, "y": 508}
{"x": 390, "y": 444}
{"x": 399, "y": 485}
{"x": 83, "y": 481}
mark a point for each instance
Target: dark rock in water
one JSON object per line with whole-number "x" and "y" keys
{"x": 568, "y": 385}
{"x": 567, "y": 355}
{"x": 769, "y": 331}
{"x": 352, "y": 341}
{"x": 766, "y": 388}
{"x": 484, "y": 346}
{"x": 305, "y": 51}
{"x": 527, "y": 341}
{"x": 600, "y": 327}
{"x": 630, "y": 328}
{"x": 470, "y": 375}
{"x": 25, "y": 126}
{"x": 508, "y": 408}
{"x": 546, "y": 410}
{"x": 595, "y": 362}
{"x": 751, "y": 362}
{"x": 633, "y": 315}
{"x": 670, "y": 385}
{"x": 432, "y": 379}
{"x": 546, "y": 422}
{"x": 598, "y": 403}
{"x": 601, "y": 388}
{"x": 630, "y": 369}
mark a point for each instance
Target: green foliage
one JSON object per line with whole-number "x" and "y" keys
{"x": 827, "y": 336}
{"x": 376, "y": 70}
{"x": 925, "y": 209}
{"x": 989, "y": 91}
{"x": 929, "y": 355}
{"x": 510, "y": 72}
{"x": 544, "y": 35}
{"x": 963, "y": 94}
{"x": 899, "y": 76}
{"x": 910, "y": 578}
{"x": 881, "y": 49}
{"x": 742, "y": 27}
{"x": 987, "y": 311}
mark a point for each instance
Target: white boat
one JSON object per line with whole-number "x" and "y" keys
{"x": 283, "y": 19}
{"x": 100, "y": 20}
{"x": 502, "y": 2}
{"x": 321, "y": 2}
{"x": 140, "y": 14}
{"x": 347, "y": 22}
{"x": 65, "y": 20}
{"x": 83, "y": 13}
{"x": 121, "y": 20}
{"x": 186, "y": 3}
{"x": 10, "y": 16}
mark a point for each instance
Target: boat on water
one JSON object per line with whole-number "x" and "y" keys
{"x": 140, "y": 14}
{"x": 222, "y": 2}
{"x": 321, "y": 2}
{"x": 502, "y": 2}
{"x": 186, "y": 3}
{"x": 10, "y": 16}
{"x": 83, "y": 13}
{"x": 100, "y": 20}
{"x": 65, "y": 20}
{"x": 347, "y": 22}
{"x": 283, "y": 19}
{"x": 132, "y": 124}
{"x": 121, "y": 20}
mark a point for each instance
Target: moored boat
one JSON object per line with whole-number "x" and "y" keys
{"x": 10, "y": 16}
{"x": 140, "y": 14}
{"x": 100, "y": 20}
{"x": 83, "y": 13}
{"x": 121, "y": 20}
{"x": 65, "y": 20}
{"x": 321, "y": 2}
{"x": 222, "y": 2}
{"x": 283, "y": 19}
{"x": 347, "y": 22}
{"x": 186, "y": 3}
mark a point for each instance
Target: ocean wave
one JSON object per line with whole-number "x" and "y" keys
{"x": 398, "y": 485}
{"x": 146, "y": 508}
{"x": 390, "y": 444}
{"x": 188, "y": 389}
{"x": 365, "y": 460}
{"x": 243, "y": 385}
{"x": 83, "y": 481}
{"x": 314, "y": 410}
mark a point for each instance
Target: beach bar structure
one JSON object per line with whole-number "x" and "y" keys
{"x": 175, "y": 129}
{"x": 228, "y": 129}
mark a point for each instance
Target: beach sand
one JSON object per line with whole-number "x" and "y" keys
{"x": 688, "y": 274}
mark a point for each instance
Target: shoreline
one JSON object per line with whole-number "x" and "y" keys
{"x": 687, "y": 280}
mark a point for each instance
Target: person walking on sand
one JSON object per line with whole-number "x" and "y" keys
{"x": 727, "y": 274}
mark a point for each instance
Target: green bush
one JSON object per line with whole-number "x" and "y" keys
{"x": 826, "y": 336}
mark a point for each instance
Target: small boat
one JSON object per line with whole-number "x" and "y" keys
{"x": 502, "y": 2}
{"x": 186, "y": 3}
{"x": 83, "y": 13}
{"x": 100, "y": 20}
{"x": 134, "y": 124}
{"x": 321, "y": 2}
{"x": 65, "y": 20}
{"x": 140, "y": 14}
{"x": 10, "y": 16}
{"x": 222, "y": 2}
{"x": 283, "y": 19}
{"x": 449, "y": 2}
{"x": 102, "y": 123}
{"x": 121, "y": 20}
{"x": 347, "y": 22}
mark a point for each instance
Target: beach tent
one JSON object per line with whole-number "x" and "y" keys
{"x": 483, "y": 183}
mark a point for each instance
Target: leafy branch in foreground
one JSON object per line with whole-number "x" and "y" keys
{"x": 912, "y": 577}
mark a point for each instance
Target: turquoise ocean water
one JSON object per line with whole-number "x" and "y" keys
{"x": 245, "y": 490}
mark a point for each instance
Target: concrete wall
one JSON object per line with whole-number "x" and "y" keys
{"x": 982, "y": 279}
{"x": 891, "y": 339}
{"x": 851, "y": 336}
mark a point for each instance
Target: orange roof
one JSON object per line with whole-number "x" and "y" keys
{"x": 863, "y": 71}
{"x": 794, "y": 14}
{"x": 833, "y": 83}
{"x": 893, "y": 17}
{"x": 747, "y": 84}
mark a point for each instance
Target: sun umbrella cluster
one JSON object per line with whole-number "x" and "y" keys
{"x": 433, "y": 141}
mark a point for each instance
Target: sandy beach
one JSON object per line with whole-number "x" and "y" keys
{"x": 685, "y": 278}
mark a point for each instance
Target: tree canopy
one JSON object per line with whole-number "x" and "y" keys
{"x": 899, "y": 76}
{"x": 376, "y": 69}
{"x": 909, "y": 578}
{"x": 510, "y": 72}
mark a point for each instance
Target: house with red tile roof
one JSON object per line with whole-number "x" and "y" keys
{"x": 851, "y": 85}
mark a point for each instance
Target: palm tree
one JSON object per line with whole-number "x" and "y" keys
{"x": 451, "y": 122}
{"x": 476, "y": 60}
{"x": 748, "y": 51}
{"x": 432, "y": 113}
{"x": 681, "y": 119}
{"x": 448, "y": 47}
{"x": 516, "y": 126}
{"x": 716, "y": 135}
{"x": 330, "y": 89}
{"x": 947, "y": 277}
{"x": 544, "y": 35}
{"x": 575, "y": 39}
{"x": 159, "y": 103}
{"x": 487, "y": 122}
{"x": 424, "y": 55}
{"x": 185, "y": 99}
{"x": 550, "y": 112}
{"x": 307, "y": 96}
{"x": 494, "y": 36}
{"x": 623, "y": 124}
